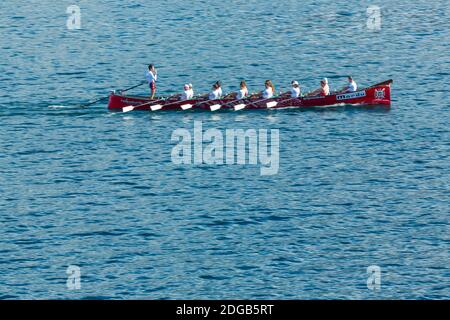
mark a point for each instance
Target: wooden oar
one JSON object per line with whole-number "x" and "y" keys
{"x": 189, "y": 106}
{"x": 104, "y": 98}
{"x": 213, "y": 107}
{"x": 269, "y": 105}
{"x": 153, "y": 107}
{"x": 159, "y": 106}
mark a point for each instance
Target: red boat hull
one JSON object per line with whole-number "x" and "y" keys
{"x": 376, "y": 95}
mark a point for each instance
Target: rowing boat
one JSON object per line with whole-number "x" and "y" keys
{"x": 378, "y": 94}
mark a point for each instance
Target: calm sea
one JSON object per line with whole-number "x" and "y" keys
{"x": 98, "y": 190}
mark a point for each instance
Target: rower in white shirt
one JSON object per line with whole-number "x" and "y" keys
{"x": 187, "y": 94}
{"x": 268, "y": 92}
{"x": 241, "y": 94}
{"x": 216, "y": 92}
{"x": 351, "y": 86}
{"x": 191, "y": 89}
{"x": 243, "y": 91}
{"x": 219, "y": 86}
{"x": 295, "y": 91}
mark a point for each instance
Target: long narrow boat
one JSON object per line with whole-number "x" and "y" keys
{"x": 379, "y": 94}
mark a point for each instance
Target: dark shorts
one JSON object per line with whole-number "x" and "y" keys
{"x": 152, "y": 86}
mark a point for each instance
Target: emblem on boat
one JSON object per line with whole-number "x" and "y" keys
{"x": 379, "y": 93}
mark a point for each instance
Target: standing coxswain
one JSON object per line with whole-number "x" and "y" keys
{"x": 152, "y": 75}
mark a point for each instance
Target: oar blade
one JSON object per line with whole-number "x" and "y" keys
{"x": 215, "y": 107}
{"x": 271, "y": 104}
{"x": 239, "y": 107}
{"x": 186, "y": 106}
{"x": 156, "y": 107}
{"x": 128, "y": 109}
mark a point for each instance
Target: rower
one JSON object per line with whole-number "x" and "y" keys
{"x": 187, "y": 94}
{"x": 219, "y": 86}
{"x": 351, "y": 86}
{"x": 241, "y": 94}
{"x": 268, "y": 92}
{"x": 243, "y": 90}
{"x": 216, "y": 92}
{"x": 324, "y": 90}
{"x": 295, "y": 91}
{"x": 191, "y": 89}
{"x": 152, "y": 75}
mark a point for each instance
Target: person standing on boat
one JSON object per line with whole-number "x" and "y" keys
{"x": 351, "y": 86}
{"x": 152, "y": 76}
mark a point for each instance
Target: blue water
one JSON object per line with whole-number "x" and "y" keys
{"x": 355, "y": 187}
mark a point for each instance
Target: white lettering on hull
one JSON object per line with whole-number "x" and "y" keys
{"x": 352, "y": 95}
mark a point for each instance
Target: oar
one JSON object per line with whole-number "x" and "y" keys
{"x": 104, "y": 98}
{"x": 216, "y": 107}
{"x": 186, "y": 106}
{"x": 156, "y": 107}
{"x": 269, "y": 105}
{"x": 237, "y": 106}
{"x": 153, "y": 107}
{"x": 213, "y": 107}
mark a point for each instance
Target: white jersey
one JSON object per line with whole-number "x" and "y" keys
{"x": 242, "y": 94}
{"x": 214, "y": 95}
{"x": 187, "y": 95}
{"x": 267, "y": 93}
{"x": 151, "y": 77}
{"x": 295, "y": 92}
{"x": 352, "y": 87}
{"x": 326, "y": 89}
{"x": 220, "y": 92}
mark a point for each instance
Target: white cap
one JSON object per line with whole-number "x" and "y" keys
{"x": 295, "y": 83}
{"x": 190, "y": 85}
{"x": 325, "y": 80}
{"x": 186, "y": 87}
